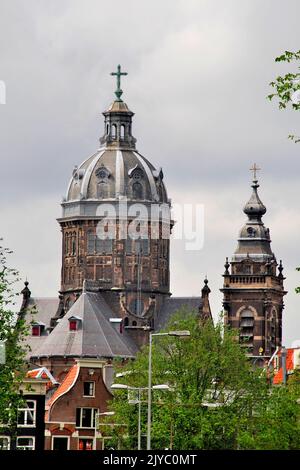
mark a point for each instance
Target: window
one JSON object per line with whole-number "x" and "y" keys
{"x": 103, "y": 190}
{"x": 122, "y": 131}
{"x": 114, "y": 131}
{"x": 137, "y": 306}
{"x": 128, "y": 246}
{"x": 74, "y": 243}
{"x": 104, "y": 245}
{"x": 25, "y": 443}
{"x": 90, "y": 243}
{"x": 142, "y": 246}
{"x": 4, "y": 443}
{"x": 66, "y": 243}
{"x": 36, "y": 330}
{"x": 246, "y": 328}
{"x": 73, "y": 325}
{"x": 85, "y": 444}
{"x": 137, "y": 190}
{"x": 89, "y": 389}
{"x": 86, "y": 417}
{"x": 27, "y": 415}
{"x": 126, "y": 321}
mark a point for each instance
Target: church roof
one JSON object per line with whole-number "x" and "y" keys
{"x": 173, "y": 304}
{"x": 41, "y": 310}
{"x": 94, "y": 337}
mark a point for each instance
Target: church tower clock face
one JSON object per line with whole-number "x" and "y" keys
{"x": 253, "y": 288}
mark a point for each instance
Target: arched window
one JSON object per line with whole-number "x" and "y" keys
{"x": 272, "y": 331}
{"x": 137, "y": 190}
{"x": 137, "y": 306}
{"x": 103, "y": 190}
{"x": 104, "y": 245}
{"x": 122, "y": 132}
{"x": 126, "y": 321}
{"x": 90, "y": 243}
{"x": 107, "y": 129}
{"x": 66, "y": 243}
{"x": 74, "y": 243}
{"x": 114, "y": 131}
{"x": 247, "y": 328}
{"x": 134, "y": 323}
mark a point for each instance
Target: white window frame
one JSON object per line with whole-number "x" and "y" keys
{"x": 60, "y": 437}
{"x": 94, "y": 388}
{"x": 8, "y": 443}
{"x": 96, "y": 411}
{"x": 25, "y": 447}
{"x": 26, "y": 411}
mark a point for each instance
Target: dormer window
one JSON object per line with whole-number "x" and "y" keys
{"x": 74, "y": 323}
{"x": 37, "y": 329}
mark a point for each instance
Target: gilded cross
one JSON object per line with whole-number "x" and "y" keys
{"x": 118, "y": 74}
{"x": 254, "y": 169}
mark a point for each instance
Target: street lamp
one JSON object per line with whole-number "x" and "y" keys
{"x": 97, "y": 422}
{"x": 178, "y": 334}
{"x": 139, "y": 389}
{"x": 283, "y": 365}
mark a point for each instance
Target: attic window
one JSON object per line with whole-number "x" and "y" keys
{"x": 36, "y": 330}
{"x": 74, "y": 323}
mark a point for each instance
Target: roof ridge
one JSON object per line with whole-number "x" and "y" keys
{"x": 98, "y": 320}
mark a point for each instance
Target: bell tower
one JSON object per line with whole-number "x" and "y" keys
{"x": 253, "y": 283}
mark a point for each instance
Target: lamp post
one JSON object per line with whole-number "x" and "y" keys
{"x": 139, "y": 389}
{"x": 105, "y": 413}
{"x": 178, "y": 334}
{"x": 283, "y": 359}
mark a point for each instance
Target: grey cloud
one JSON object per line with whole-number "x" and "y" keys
{"x": 198, "y": 78}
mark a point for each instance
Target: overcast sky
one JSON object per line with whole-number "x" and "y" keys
{"x": 198, "y": 74}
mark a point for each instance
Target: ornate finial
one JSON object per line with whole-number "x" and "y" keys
{"x": 205, "y": 290}
{"x": 255, "y": 169}
{"x": 226, "y": 266}
{"x": 26, "y": 291}
{"x": 280, "y": 269}
{"x": 118, "y": 74}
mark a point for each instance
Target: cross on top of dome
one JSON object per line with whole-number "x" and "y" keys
{"x": 118, "y": 74}
{"x": 255, "y": 168}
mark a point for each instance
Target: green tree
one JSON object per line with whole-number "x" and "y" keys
{"x": 13, "y": 331}
{"x": 216, "y": 400}
{"x": 287, "y": 87}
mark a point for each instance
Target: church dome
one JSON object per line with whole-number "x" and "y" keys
{"x": 117, "y": 171}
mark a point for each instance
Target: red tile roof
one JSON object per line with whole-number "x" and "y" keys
{"x": 64, "y": 387}
{"x": 278, "y": 378}
{"x": 42, "y": 373}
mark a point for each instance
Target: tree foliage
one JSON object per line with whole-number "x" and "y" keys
{"x": 287, "y": 87}
{"x": 218, "y": 400}
{"x": 13, "y": 331}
